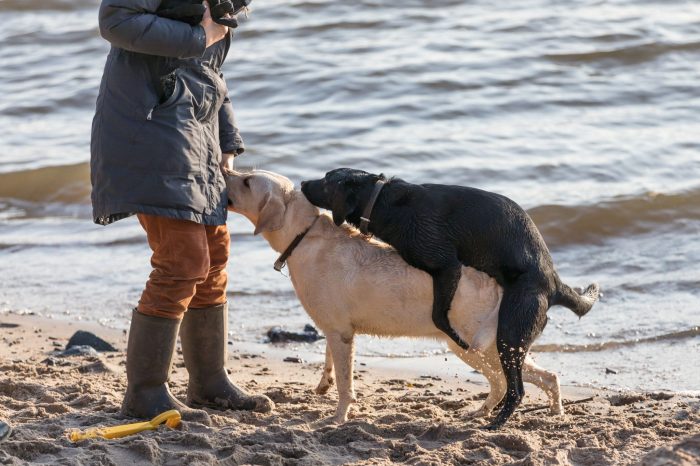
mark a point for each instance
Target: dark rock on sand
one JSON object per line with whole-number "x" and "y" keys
{"x": 5, "y": 430}
{"x": 97, "y": 366}
{"x": 660, "y": 396}
{"x": 309, "y": 335}
{"x": 53, "y": 362}
{"x": 82, "y": 338}
{"x": 623, "y": 399}
{"x": 81, "y": 350}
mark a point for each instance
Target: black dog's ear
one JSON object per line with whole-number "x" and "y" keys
{"x": 342, "y": 204}
{"x": 339, "y": 207}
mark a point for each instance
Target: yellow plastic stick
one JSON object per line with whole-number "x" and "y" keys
{"x": 170, "y": 418}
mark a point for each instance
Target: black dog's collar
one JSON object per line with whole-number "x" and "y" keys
{"x": 282, "y": 259}
{"x": 364, "y": 220}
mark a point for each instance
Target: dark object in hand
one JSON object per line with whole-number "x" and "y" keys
{"x": 192, "y": 11}
{"x": 188, "y": 11}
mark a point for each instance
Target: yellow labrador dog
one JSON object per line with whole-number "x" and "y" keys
{"x": 350, "y": 284}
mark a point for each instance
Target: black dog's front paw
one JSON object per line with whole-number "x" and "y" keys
{"x": 492, "y": 427}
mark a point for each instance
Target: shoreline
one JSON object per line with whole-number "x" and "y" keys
{"x": 441, "y": 365}
{"x": 404, "y": 412}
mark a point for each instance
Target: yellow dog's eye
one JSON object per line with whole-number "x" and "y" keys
{"x": 246, "y": 181}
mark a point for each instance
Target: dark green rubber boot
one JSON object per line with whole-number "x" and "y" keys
{"x": 203, "y": 337}
{"x": 149, "y": 357}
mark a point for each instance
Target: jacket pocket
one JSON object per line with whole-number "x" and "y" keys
{"x": 209, "y": 95}
{"x": 170, "y": 139}
{"x": 178, "y": 95}
{"x": 199, "y": 88}
{"x": 174, "y": 135}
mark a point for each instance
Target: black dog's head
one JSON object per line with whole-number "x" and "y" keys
{"x": 343, "y": 191}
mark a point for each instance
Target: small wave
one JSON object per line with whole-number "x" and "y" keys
{"x": 559, "y": 224}
{"x": 334, "y": 26}
{"x": 15, "y": 247}
{"x": 631, "y": 55}
{"x": 65, "y": 183}
{"x": 262, "y": 293}
{"x": 607, "y": 345}
{"x": 674, "y": 285}
{"x": 44, "y": 5}
{"x": 640, "y": 214}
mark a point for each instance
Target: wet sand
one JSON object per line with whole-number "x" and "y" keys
{"x": 402, "y": 416}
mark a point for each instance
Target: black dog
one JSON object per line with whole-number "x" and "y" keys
{"x": 439, "y": 228}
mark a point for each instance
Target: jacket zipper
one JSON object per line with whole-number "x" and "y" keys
{"x": 149, "y": 117}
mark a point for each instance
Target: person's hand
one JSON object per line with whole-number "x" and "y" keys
{"x": 227, "y": 162}
{"x": 214, "y": 32}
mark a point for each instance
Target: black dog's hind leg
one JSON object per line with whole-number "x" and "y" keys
{"x": 521, "y": 317}
{"x": 445, "y": 284}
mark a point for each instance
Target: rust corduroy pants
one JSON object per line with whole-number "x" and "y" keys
{"x": 189, "y": 266}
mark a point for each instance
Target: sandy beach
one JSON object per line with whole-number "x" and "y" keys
{"x": 401, "y": 416}
{"x": 584, "y": 113}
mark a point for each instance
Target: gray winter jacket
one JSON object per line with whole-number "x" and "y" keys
{"x": 162, "y": 121}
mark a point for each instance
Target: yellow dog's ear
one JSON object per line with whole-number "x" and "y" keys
{"x": 271, "y": 215}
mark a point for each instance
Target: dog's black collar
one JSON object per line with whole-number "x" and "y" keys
{"x": 364, "y": 220}
{"x": 282, "y": 259}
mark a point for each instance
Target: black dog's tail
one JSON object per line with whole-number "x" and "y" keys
{"x": 580, "y": 303}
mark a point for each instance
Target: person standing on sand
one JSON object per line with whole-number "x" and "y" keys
{"x": 162, "y": 131}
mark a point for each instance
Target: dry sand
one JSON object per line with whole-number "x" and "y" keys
{"x": 402, "y": 416}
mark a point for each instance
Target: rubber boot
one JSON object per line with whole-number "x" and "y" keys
{"x": 203, "y": 337}
{"x": 149, "y": 357}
